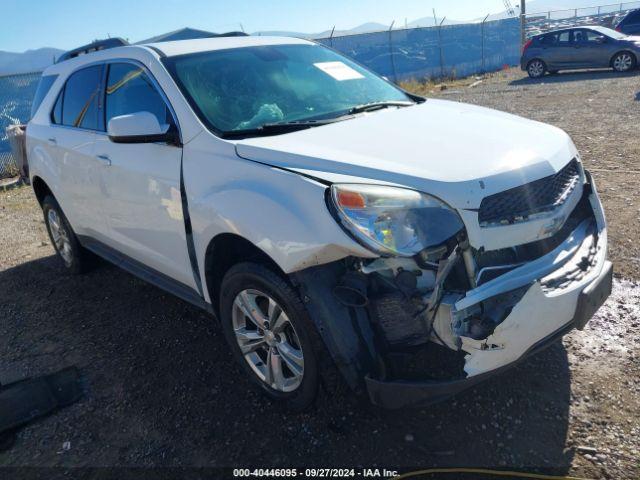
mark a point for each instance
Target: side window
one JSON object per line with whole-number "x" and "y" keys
{"x": 80, "y": 100}
{"x": 130, "y": 90}
{"x": 580, "y": 36}
{"x": 56, "y": 113}
{"x": 590, "y": 37}
{"x": 549, "y": 39}
{"x": 564, "y": 39}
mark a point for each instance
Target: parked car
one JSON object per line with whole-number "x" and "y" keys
{"x": 331, "y": 221}
{"x": 577, "y": 48}
{"x": 630, "y": 23}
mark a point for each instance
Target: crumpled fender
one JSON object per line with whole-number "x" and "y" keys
{"x": 346, "y": 332}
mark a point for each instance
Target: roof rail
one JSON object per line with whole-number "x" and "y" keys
{"x": 93, "y": 47}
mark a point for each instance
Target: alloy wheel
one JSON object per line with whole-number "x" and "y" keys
{"x": 623, "y": 62}
{"x": 536, "y": 69}
{"x": 267, "y": 340}
{"x": 60, "y": 236}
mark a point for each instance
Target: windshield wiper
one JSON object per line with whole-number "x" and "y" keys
{"x": 276, "y": 128}
{"x": 280, "y": 127}
{"x": 370, "y": 107}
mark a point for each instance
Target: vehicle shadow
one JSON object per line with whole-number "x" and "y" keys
{"x": 574, "y": 76}
{"x": 162, "y": 390}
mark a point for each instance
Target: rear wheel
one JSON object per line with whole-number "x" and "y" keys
{"x": 75, "y": 258}
{"x": 536, "y": 68}
{"x": 270, "y": 334}
{"x": 623, "y": 62}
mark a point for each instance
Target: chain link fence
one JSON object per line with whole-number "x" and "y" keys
{"x": 603, "y": 15}
{"x": 434, "y": 52}
{"x": 16, "y": 96}
{"x": 421, "y": 53}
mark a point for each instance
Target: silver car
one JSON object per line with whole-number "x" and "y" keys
{"x": 576, "y": 48}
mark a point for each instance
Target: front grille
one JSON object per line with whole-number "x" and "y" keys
{"x": 540, "y": 196}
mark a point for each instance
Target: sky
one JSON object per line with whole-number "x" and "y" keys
{"x": 65, "y": 24}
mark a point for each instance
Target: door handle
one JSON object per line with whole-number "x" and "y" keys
{"x": 52, "y": 140}
{"x": 104, "y": 159}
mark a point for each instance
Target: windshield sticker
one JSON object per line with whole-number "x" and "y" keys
{"x": 339, "y": 70}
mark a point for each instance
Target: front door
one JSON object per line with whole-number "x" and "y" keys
{"x": 141, "y": 185}
{"x": 589, "y": 50}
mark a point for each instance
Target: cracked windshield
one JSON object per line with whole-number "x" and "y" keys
{"x": 246, "y": 88}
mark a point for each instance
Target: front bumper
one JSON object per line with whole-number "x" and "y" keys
{"x": 398, "y": 394}
{"x": 558, "y": 298}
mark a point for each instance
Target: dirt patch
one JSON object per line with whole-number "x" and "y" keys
{"x": 162, "y": 389}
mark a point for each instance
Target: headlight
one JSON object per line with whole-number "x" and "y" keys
{"x": 394, "y": 221}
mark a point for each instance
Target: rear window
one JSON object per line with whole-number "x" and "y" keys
{"x": 44, "y": 85}
{"x": 632, "y": 17}
{"x": 80, "y": 99}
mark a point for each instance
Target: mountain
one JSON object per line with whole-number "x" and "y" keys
{"x": 29, "y": 61}
{"x": 429, "y": 22}
{"x": 364, "y": 28}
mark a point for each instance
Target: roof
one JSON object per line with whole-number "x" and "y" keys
{"x": 169, "y": 49}
{"x": 180, "y": 34}
{"x": 182, "y": 47}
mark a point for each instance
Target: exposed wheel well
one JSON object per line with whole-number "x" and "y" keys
{"x": 633, "y": 55}
{"x": 41, "y": 189}
{"x": 225, "y": 251}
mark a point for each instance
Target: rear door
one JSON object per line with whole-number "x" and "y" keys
{"x": 565, "y": 49}
{"x": 558, "y": 50}
{"x": 141, "y": 185}
{"x": 75, "y": 119}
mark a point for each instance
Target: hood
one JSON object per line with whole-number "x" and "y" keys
{"x": 457, "y": 152}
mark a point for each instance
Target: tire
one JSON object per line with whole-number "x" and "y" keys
{"x": 623, "y": 62}
{"x": 257, "y": 286}
{"x": 536, "y": 68}
{"x": 74, "y": 257}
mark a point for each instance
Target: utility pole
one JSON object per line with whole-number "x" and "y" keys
{"x": 523, "y": 23}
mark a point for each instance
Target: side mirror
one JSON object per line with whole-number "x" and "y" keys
{"x": 139, "y": 127}
{"x": 601, "y": 40}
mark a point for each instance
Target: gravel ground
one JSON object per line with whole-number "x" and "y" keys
{"x": 162, "y": 389}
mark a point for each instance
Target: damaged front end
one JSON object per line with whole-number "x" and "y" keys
{"x": 417, "y": 329}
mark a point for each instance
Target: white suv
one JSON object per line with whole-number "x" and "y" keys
{"x": 331, "y": 221}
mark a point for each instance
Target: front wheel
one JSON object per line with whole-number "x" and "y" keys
{"x": 623, "y": 62}
{"x": 536, "y": 68}
{"x": 270, "y": 334}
